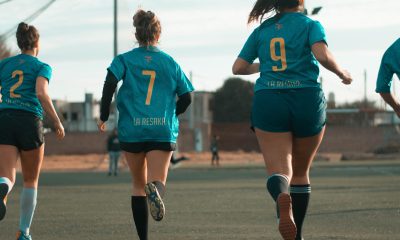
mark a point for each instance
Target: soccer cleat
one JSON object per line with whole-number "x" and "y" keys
{"x": 157, "y": 208}
{"x": 3, "y": 200}
{"x": 287, "y": 227}
{"x": 23, "y": 236}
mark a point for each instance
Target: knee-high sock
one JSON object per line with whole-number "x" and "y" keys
{"x": 8, "y": 182}
{"x": 140, "y": 215}
{"x": 277, "y": 184}
{"x": 300, "y": 198}
{"x": 28, "y": 205}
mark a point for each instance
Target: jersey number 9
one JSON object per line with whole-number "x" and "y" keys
{"x": 152, "y": 75}
{"x": 278, "y": 57}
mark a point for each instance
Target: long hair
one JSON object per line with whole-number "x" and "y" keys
{"x": 148, "y": 27}
{"x": 262, "y": 7}
{"x": 27, "y": 36}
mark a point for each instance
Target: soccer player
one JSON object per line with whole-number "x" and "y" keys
{"x": 214, "y": 151}
{"x": 24, "y": 81}
{"x": 389, "y": 66}
{"x": 114, "y": 152}
{"x": 148, "y": 121}
{"x": 288, "y": 112}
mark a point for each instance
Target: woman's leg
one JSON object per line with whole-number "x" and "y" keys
{"x": 137, "y": 167}
{"x": 304, "y": 150}
{"x": 277, "y": 151}
{"x": 110, "y": 163}
{"x": 157, "y": 164}
{"x": 31, "y": 163}
{"x": 8, "y": 163}
{"x": 116, "y": 160}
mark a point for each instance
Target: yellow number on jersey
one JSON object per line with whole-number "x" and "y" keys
{"x": 276, "y": 57}
{"x": 152, "y": 75}
{"x": 18, "y": 84}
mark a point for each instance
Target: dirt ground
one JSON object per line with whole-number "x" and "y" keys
{"x": 99, "y": 162}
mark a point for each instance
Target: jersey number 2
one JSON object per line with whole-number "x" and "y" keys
{"x": 18, "y": 84}
{"x": 152, "y": 75}
{"x": 278, "y": 57}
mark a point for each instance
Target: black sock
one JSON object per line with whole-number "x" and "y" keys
{"x": 277, "y": 184}
{"x": 160, "y": 188}
{"x": 300, "y": 198}
{"x": 140, "y": 215}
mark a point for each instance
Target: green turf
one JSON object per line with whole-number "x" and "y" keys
{"x": 349, "y": 201}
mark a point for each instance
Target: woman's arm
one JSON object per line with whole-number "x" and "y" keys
{"x": 242, "y": 67}
{"x": 391, "y": 100}
{"x": 108, "y": 92}
{"x": 325, "y": 57}
{"x": 42, "y": 86}
{"x": 183, "y": 103}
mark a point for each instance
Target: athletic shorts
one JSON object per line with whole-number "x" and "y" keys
{"x": 21, "y": 129}
{"x": 139, "y": 147}
{"x": 300, "y": 111}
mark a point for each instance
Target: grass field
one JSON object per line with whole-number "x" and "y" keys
{"x": 350, "y": 200}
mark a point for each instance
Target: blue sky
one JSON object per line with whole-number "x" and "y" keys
{"x": 204, "y": 36}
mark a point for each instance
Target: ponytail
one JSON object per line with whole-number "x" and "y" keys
{"x": 263, "y": 7}
{"x": 27, "y": 36}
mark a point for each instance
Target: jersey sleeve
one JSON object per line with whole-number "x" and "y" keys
{"x": 45, "y": 71}
{"x": 317, "y": 33}
{"x": 118, "y": 67}
{"x": 385, "y": 75}
{"x": 183, "y": 83}
{"x": 250, "y": 49}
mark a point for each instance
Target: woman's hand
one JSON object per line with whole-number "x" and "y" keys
{"x": 59, "y": 130}
{"x": 346, "y": 77}
{"x": 101, "y": 126}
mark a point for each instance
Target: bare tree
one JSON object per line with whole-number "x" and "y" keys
{"x": 5, "y": 51}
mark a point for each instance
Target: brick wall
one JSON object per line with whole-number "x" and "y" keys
{"x": 238, "y": 136}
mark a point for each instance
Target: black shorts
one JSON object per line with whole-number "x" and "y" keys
{"x": 21, "y": 129}
{"x": 139, "y": 147}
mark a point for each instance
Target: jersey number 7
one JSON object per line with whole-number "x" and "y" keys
{"x": 152, "y": 75}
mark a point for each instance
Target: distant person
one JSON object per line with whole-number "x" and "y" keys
{"x": 24, "y": 81}
{"x": 114, "y": 152}
{"x": 390, "y": 65}
{"x": 214, "y": 151}
{"x": 148, "y": 122}
{"x": 289, "y": 106}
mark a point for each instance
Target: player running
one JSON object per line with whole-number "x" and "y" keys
{"x": 389, "y": 66}
{"x": 148, "y": 121}
{"x": 24, "y": 84}
{"x": 288, "y": 112}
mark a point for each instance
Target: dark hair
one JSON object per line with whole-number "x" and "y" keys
{"x": 27, "y": 36}
{"x": 262, "y": 7}
{"x": 148, "y": 27}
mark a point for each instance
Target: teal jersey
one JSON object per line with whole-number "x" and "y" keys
{"x": 389, "y": 66}
{"x": 18, "y": 76}
{"x": 146, "y": 101}
{"x": 283, "y": 46}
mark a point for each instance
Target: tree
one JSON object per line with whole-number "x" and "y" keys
{"x": 232, "y": 102}
{"x": 5, "y": 52}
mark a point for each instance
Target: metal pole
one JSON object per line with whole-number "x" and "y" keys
{"x": 191, "y": 112}
{"x": 115, "y": 54}
{"x": 115, "y": 28}
{"x": 365, "y": 88}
